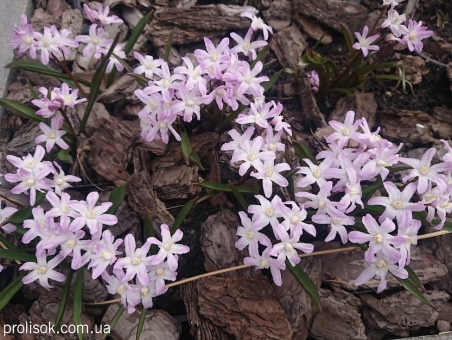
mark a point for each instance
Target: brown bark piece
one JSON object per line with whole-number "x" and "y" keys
{"x": 158, "y": 325}
{"x": 109, "y": 151}
{"x": 195, "y": 23}
{"x": 288, "y": 46}
{"x": 313, "y": 29}
{"x": 364, "y": 105}
{"x": 176, "y": 182}
{"x": 141, "y": 196}
{"x": 339, "y": 317}
{"x": 311, "y": 115}
{"x": 218, "y": 242}
{"x": 402, "y": 312}
{"x": 333, "y": 12}
{"x": 279, "y": 14}
{"x": 293, "y": 299}
{"x": 122, "y": 88}
{"x": 246, "y": 307}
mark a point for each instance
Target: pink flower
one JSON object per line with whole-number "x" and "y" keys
{"x": 258, "y": 24}
{"x": 148, "y": 65}
{"x": 378, "y": 237}
{"x": 265, "y": 261}
{"x": 252, "y": 155}
{"x": 414, "y": 34}
{"x": 286, "y": 248}
{"x": 105, "y": 253}
{"x": 24, "y": 37}
{"x": 43, "y": 270}
{"x": 101, "y": 15}
{"x": 52, "y": 135}
{"x": 135, "y": 261}
{"x": 344, "y": 131}
{"x": 250, "y": 235}
{"x": 270, "y": 173}
{"x": 364, "y": 42}
{"x": 245, "y": 45}
{"x": 90, "y": 215}
{"x": 96, "y": 42}
{"x": 213, "y": 59}
{"x": 168, "y": 247}
{"x": 379, "y": 267}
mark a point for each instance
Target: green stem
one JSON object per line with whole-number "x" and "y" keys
{"x": 69, "y": 73}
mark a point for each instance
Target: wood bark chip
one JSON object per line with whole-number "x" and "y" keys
{"x": 312, "y": 29}
{"x": 293, "y": 299}
{"x": 158, "y": 325}
{"x": 333, "y": 12}
{"x": 176, "y": 182}
{"x": 364, "y": 105}
{"x": 122, "y": 88}
{"x": 245, "y": 307}
{"x": 141, "y": 196}
{"x": 311, "y": 115}
{"x": 195, "y": 23}
{"x": 288, "y": 46}
{"x": 339, "y": 317}
{"x": 279, "y": 14}
{"x": 402, "y": 312}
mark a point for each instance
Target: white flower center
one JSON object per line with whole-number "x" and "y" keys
{"x": 42, "y": 270}
{"x": 265, "y": 264}
{"x": 295, "y": 219}
{"x": 136, "y": 261}
{"x": 168, "y": 246}
{"x": 91, "y": 214}
{"x": 317, "y": 173}
{"x": 321, "y": 204}
{"x": 251, "y": 156}
{"x": 288, "y": 247}
{"x": 397, "y": 204}
{"x": 213, "y": 57}
{"x": 159, "y": 271}
{"x": 52, "y": 135}
{"x": 268, "y": 172}
{"x": 269, "y": 212}
{"x": 424, "y": 170}
{"x": 162, "y": 125}
{"x": 381, "y": 264}
{"x": 94, "y": 41}
{"x": 60, "y": 181}
{"x": 106, "y": 255}
{"x": 190, "y": 102}
{"x": 149, "y": 65}
{"x": 346, "y": 131}
{"x": 382, "y": 163}
{"x": 46, "y": 43}
{"x": 250, "y": 234}
{"x": 70, "y": 243}
{"x": 30, "y": 182}
{"x": 378, "y": 238}
{"x": 121, "y": 289}
{"x": 144, "y": 291}
{"x": 28, "y": 41}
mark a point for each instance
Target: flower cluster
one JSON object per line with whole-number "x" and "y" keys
{"x": 410, "y": 36}
{"x": 221, "y": 77}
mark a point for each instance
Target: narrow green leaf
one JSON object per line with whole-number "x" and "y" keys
{"x": 63, "y": 155}
{"x": 255, "y": 186}
{"x": 239, "y": 197}
{"x": 348, "y": 38}
{"x": 291, "y": 187}
{"x": 168, "y": 46}
{"x": 142, "y": 80}
{"x": 370, "y": 190}
{"x": 141, "y": 322}
{"x": 379, "y": 66}
{"x": 224, "y": 187}
{"x": 117, "y": 197}
{"x": 115, "y": 319}
{"x": 10, "y": 290}
{"x": 195, "y": 159}
{"x": 399, "y": 168}
{"x": 290, "y": 173}
{"x": 137, "y": 32}
{"x": 267, "y": 84}
{"x": 78, "y": 296}
{"x": 16, "y": 255}
{"x": 183, "y": 213}
{"x": 32, "y": 90}
{"x": 305, "y": 282}
{"x": 306, "y": 151}
{"x": 414, "y": 278}
{"x": 186, "y": 146}
{"x": 37, "y": 67}
{"x": 21, "y": 110}
{"x": 409, "y": 285}
{"x": 260, "y": 56}
{"x": 63, "y": 302}
{"x": 95, "y": 85}
{"x": 447, "y": 225}
{"x": 8, "y": 244}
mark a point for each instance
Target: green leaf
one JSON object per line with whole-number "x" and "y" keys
{"x": 10, "y": 290}
{"x": 8, "y": 244}
{"x": 141, "y": 323}
{"x": 224, "y": 187}
{"x": 412, "y": 276}
{"x": 63, "y": 302}
{"x": 78, "y": 296}
{"x": 95, "y": 85}
{"x": 260, "y": 56}
{"x": 370, "y": 190}
{"x": 188, "y": 152}
{"x": 142, "y": 80}
{"x": 168, "y": 46}
{"x": 21, "y": 110}
{"x": 115, "y": 319}
{"x": 348, "y": 38}
{"x": 16, "y": 255}
{"x": 409, "y": 285}
{"x": 267, "y": 84}
{"x": 20, "y": 215}
{"x": 302, "y": 151}
{"x": 136, "y": 33}
{"x": 117, "y": 197}
{"x": 37, "y": 67}
{"x": 239, "y": 197}
{"x": 63, "y": 155}
{"x": 32, "y": 90}
{"x": 112, "y": 75}
{"x": 447, "y": 225}
{"x": 305, "y": 282}
{"x": 379, "y": 66}
{"x": 182, "y": 214}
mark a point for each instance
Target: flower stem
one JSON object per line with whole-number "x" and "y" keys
{"x": 69, "y": 73}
